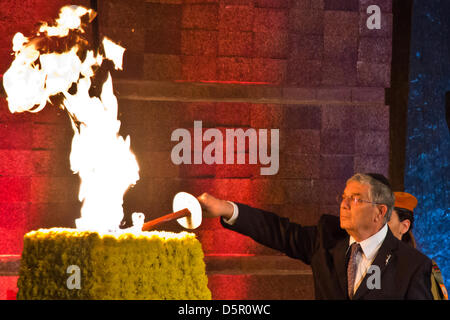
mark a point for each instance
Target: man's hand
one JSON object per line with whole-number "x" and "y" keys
{"x": 213, "y": 207}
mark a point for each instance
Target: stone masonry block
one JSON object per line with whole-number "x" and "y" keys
{"x": 271, "y": 4}
{"x": 304, "y": 94}
{"x": 334, "y": 94}
{"x": 236, "y": 17}
{"x": 309, "y": 22}
{"x": 204, "y": 111}
{"x": 133, "y": 66}
{"x": 271, "y": 45}
{"x": 299, "y": 166}
{"x": 165, "y": 41}
{"x": 200, "y": 185}
{"x": 384, "y": 32}
{"x": 304, "y": 73}
{"x": 300, "y": 141}
{"x": 15, "y": 189}
{"x": 50, "y": 215}
{"x": 233, "y": 114}
{"x": 11, "y": 242}
{"x": 369, "y": 94}
{"x": 50, "y": 114}
{"x": 225, "y": 241}
{"x": 266, "y": 115}
{"x": 197, "y": 1}
{"x": 161, "y": 16}
{"x": 197, "y": 68}
{"x": 372, "y": 163}
{"x": 338, "y": 117}
{"x": 240, "y": 190}
{"x": 6, "y": 115}
{"x": 157, "y": 164}
{"x": 344, "y": 5}
{"x": 374, "y": 74}
{"x": 340, "y": 141}
{"x": 302, "y": 117}
{"x": 50, "y": 163}
{"x": 5, "y": 61}
{"x": 325, "y": 190}
{"x": 339, "y": 73}
{"x": 307, "y": 47}
{"x": 54, "y": 189}
{"x": 266, "y": 191}
{"x": 385, "y": 5}
{"x": 370, "y": 117}
{"x": 149, "y": 137}
{"x": 303, "y": 214}
{"x": 15, "y": 135}
{"x": 298, "y": 191}
{"x": 272, "y": 71}
{"x": 235, "y": 69}
{"x": 235, "y": 43}
{"x": 341, "y": 24}
{"x": 375, "y": 50}
{"x": 129, "y": 13}
{"x": 307, "y": 4}
{"x": 13, "y": 215}
{"x": 197, "y": 171}
{"x": 129, "y": 38}
{"x": 15, "y": 162}
{"x": 340, "y": 49}
{"x": 199, "y": 43}
{"x": 302, "y": 4}
{"x": 372, "y": 142}
{"x": 267, "y": 20}
{"x": 237, "y": 171}
{"x": 51, "y": 136}
{"x": 133, "y": 111}
{"x": 200, "y": 16}
{"x": 162, "y": 67}
{"x": 336, "y": 166}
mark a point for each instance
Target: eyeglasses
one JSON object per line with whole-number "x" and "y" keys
{"x": 354, "y": 199}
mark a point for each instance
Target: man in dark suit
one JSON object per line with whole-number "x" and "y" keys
{"x": 353, "y": 256}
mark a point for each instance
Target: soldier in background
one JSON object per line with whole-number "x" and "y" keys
{"x": 401, "y": 224}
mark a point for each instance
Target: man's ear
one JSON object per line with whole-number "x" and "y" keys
{"x": 382, "y": 210}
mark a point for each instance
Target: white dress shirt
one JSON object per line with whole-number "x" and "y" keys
{"x": 370, "y": 248}
{"x": 235, "y": 214}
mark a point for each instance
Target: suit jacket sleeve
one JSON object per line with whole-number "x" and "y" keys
{"x": 420, "y": 287}
{"x": 276, "y": 232}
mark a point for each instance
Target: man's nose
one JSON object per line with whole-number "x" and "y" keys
{"x": 345, "y": 203}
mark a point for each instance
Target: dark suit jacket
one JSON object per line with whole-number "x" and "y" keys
{"x": 405, "y": 272}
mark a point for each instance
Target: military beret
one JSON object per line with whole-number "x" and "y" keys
{"x": 405, "y": 200}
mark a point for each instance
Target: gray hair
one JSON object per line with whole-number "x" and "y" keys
{"x": 379, "y": 192}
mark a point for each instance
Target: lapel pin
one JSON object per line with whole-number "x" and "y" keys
{"x": 388, "y": 258}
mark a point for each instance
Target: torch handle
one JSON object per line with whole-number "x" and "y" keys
{"x": 168, "y": 217}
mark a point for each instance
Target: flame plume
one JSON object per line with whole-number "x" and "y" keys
{"x": 58, "y": 62}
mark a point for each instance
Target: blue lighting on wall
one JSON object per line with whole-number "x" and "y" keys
{"x": 427, "y": 173}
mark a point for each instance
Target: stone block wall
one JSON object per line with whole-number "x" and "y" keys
{"x": 309, "y": 68}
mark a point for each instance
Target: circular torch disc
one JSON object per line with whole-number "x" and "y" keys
{"x": 183, "y": 200}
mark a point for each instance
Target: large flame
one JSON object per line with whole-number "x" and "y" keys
{"x": 100, "y": 156}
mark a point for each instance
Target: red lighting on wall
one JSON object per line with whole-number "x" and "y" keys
{"x": 229, "y": 287}
{"x": 228, "y": 82}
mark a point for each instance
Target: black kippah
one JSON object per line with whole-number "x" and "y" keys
{"x": 379, "y": 177}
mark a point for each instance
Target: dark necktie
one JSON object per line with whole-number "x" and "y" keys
{"x": 352, "y": 267}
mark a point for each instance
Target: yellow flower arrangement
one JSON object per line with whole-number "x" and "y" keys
{"x": 149, "y": 265}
